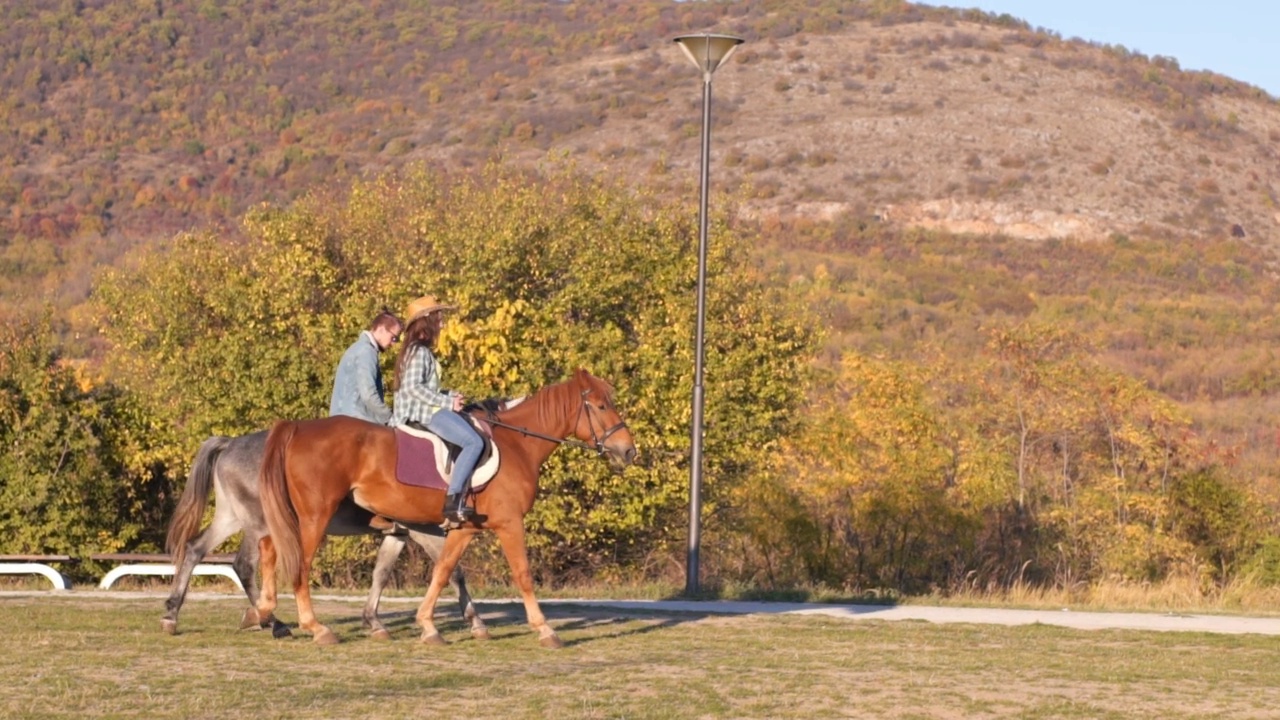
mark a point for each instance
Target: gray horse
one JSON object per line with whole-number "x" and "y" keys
{"x": 230, "y": 467}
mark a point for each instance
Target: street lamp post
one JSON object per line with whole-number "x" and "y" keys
{"x": 708, "y": 52}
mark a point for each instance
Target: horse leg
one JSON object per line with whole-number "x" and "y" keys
{"x": 434, "y": 544}
{"x": 311, "y": 534}
{"x": 388, "y": 552}
{"x": 454, "y": 544}
{"x": 513, "y": 546}
{"x": 479, "y": 630}
{"x": 267, "y": 601}
{"x": 223, "y": 526}
{"x": 246, "y": 568}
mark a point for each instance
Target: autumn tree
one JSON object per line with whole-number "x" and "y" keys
{"x": 73, "y": 473}
{"x": 551, "y": 273}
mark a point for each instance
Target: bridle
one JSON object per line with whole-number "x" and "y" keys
{"x": 597, "y": 440}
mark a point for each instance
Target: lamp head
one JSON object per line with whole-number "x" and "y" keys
{"x": 708, "y": 51}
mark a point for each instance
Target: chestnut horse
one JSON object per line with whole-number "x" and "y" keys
{"x": 311, "y": 465}
{"x": 229, "y": 466}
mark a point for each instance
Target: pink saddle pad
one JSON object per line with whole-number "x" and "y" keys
{"x": 416, "y": 462}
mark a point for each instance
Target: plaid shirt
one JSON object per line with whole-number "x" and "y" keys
{"x": 420, "y": 396}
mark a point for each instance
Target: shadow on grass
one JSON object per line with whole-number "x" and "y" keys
{"x": 511, "y": 623}
{"x": 506, "y": 619}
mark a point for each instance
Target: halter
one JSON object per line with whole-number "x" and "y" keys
{"x": 598, "y": 441}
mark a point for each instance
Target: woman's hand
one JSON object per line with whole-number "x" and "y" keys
{"x": 458, "y": 402}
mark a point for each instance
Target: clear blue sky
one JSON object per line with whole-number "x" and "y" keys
{"x": 1236, "y": 38}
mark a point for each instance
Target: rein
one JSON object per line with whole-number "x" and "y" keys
{"x": 531, "y": 433}
{"x": 598, "y": 440}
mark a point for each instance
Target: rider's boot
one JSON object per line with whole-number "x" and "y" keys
{"x": 456, "y": 508}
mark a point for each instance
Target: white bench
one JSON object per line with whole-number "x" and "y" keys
{"x": 147, "y": 564}
{"x": 37, "y": 565}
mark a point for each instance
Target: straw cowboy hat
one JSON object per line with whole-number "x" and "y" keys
{"x": 424, "y": 306}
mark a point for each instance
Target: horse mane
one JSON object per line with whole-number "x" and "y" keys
{"x": 556, "y": 395}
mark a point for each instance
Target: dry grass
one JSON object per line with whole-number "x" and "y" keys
{"x": 1176, "y": 594}
{"x": 94, "y": 658}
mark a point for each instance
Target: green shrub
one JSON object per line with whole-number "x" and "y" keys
{"x": 1263, "y": 567}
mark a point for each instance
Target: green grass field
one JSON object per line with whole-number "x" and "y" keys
{"x": 100, "y": 657}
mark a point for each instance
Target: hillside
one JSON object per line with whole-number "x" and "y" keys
{"x": 127, "y": 122}
{"x": 955, "y": 125}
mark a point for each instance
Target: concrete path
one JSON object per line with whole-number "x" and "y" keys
{"x": 1228, "y": 624}
{"x": 1162, "y": 622}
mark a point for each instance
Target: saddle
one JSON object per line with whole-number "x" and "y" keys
{"x": 424, "y": 459}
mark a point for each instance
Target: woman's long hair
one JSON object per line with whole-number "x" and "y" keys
{"x": 423, "y": 331}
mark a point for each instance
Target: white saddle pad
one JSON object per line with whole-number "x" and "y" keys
{"x": 485, "y": 469}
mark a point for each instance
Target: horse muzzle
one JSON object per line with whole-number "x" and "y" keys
{"x": 621, "y": 454}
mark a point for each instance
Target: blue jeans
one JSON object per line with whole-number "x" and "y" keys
{"x": 453, "y": 427}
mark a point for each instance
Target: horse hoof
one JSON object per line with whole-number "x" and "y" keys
{"x": 280, "y": 631}
{"x": 250, "y": 621}
{"x": 380, "y": 634}
{"x": 551, "y": 641}
{"x": 481, "y": 634}
{"x": 169, "y": 626}
{"x": 325, "y": 637}
{"x": 433, "y": 639}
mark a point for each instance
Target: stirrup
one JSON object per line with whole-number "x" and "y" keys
{"x": 461, "y": 516}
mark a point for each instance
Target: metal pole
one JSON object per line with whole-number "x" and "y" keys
{"x": 695, "y": 471}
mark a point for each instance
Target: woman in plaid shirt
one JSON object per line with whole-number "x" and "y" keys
{"x": 419, "y": 399}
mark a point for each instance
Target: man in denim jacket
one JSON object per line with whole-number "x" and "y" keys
{"x": 357, "y": 385}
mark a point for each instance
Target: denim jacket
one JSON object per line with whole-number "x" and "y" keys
{"x": 357, "y": 385}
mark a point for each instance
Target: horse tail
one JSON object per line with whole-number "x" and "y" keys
{"x": 195, "y": 498}
{"x": 282, "y": 518}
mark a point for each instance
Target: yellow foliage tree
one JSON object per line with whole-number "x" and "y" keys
{"x": 550, "y": 274}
